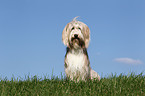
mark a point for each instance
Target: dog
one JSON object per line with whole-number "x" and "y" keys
{"x": 76, "y": 36}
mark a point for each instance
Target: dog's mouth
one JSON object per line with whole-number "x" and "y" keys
{"x": 77, "y": 42}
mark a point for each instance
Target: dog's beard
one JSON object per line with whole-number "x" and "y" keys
{"x": 77, "y": 43}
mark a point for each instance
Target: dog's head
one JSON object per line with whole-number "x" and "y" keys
{"x": 76, "y": 34}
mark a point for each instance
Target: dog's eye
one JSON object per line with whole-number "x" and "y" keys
{"x": 72, "y": 28}
{"x": 79, "y": 28}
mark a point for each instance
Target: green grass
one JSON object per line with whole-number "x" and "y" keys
{"x": 132, "y": 85}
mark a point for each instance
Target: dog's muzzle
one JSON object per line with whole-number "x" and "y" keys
{"x": 77, "y": 41}
{"x": 75, "y": 38}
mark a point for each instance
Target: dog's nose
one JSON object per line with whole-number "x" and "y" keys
{"x": 76, "y": 35}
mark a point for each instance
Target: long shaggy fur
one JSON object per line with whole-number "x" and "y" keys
{"x": 76, "y": 36}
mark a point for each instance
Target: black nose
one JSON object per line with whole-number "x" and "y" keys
{"x": 76, "y": 35}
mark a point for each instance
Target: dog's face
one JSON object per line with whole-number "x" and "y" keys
{"x": 76, "y": 35}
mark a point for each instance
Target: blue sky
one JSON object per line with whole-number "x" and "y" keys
{"x": 30, "y": 35}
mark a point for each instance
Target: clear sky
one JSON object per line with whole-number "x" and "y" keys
{"x": 31, "y": 30}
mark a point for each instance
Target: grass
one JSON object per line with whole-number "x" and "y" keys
{"x": 132, "y": 85}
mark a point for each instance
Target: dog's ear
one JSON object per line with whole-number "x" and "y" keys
{"x": 65, "y": 34}
{"x": 86, "y": 32}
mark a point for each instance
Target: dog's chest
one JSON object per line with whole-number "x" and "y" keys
{"x": 75, "y": 62}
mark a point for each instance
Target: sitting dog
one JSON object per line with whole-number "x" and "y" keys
{"x": 76, "y": 36}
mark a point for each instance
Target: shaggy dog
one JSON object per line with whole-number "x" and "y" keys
{"x": 76, "y": 36}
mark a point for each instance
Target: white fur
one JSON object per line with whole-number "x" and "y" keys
{"x": 76, "y": 61}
